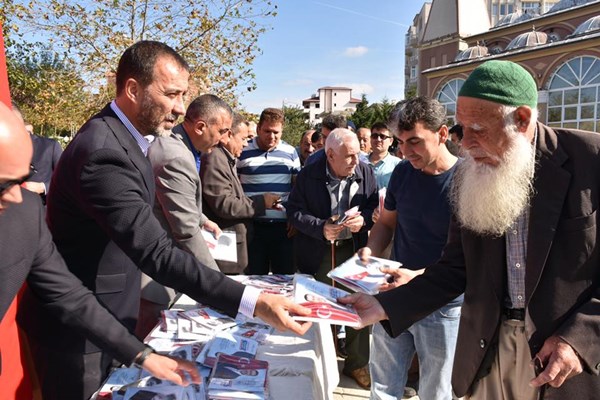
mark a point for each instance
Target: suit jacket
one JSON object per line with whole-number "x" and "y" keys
{"x": 100, "y": 214}
{"x": 178, "y": 206}
{"x": 227, "y": 205}
{"x": 309, "y": 207}
{"x": 46, "y": 153}
{"x": 562, "y": 270}
{"x": 28, "y": 253}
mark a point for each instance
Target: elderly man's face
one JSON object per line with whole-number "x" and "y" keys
{"x": 161, "y": 102}
{"x": 343, "y": 162}
{"x": 484, "y": 136}
{"x": 364, "y": 138}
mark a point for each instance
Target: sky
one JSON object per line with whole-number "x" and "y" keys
{"x": 315, "y": 43}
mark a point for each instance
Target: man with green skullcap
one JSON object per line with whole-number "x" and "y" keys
{"x": 522, "y": 246}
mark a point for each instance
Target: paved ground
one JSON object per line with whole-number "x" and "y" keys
{"x": 349, "y": 390}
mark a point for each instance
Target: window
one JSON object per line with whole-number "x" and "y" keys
{"x": 574, "y": 95}
{"x": 413, "y": 72}
{"x": 432, "y": 62}
{"x": 335, "y": 104}
{"x": 334, "y": 93}
{"x": 447, "y": 96}
{"x": 317, "y": 105}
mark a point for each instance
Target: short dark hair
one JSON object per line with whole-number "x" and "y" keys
{"x": 205, "y": 107}
{"x": 333, "y": 121}
{"x": 238, "y": 119}
{"x": 138, "y": 62}
{"x": 271, "y": 115}
{"x": 457, "y": 129}
{"x": 407, "y": 113}
{"x": 316, "y": 136}
{"x": 380, "y": 126}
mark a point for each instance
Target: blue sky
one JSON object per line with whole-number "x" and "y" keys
{"x": 353, "y": 43}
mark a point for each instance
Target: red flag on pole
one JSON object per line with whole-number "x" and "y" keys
{"x": 15, "y": 382}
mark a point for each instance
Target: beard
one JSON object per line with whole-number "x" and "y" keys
{"x": 488, "y": 199}
{"x": 151, "y": 117}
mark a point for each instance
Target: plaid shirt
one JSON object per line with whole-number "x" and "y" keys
{"x": 516, "y": 253}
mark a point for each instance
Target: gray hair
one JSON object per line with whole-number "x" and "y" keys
{"x": 337, "y": 137}
{"x": 238, "y": 119}
{"x": 205, "y": 107}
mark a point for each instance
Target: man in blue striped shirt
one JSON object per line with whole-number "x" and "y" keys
{"x": 269, "y": 164}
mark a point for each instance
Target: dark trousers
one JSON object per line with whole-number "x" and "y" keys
{"x": 270, "y": 249}
{"x": 70, "y": 376}
{"x": 357, "y": 341}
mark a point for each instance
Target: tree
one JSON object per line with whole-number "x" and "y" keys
{"x": 296, "y": 123}
{"x": 218, "y": 38}
{"x": 367, "y": 114}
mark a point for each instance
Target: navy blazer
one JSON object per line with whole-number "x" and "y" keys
{"x": 100, "y": 214}
{"x": 309, "y": 207}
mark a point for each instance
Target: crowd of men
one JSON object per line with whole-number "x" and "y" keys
{"x": 502, "y": 227}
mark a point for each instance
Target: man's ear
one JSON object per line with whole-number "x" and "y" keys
{"x": 443, "y": 132}
{"x": 133, "y": 90}
{"x": 198, "y": 126}
{"x": 522, "y": 118}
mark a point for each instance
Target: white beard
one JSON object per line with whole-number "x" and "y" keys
{"x": 487, "y": 199}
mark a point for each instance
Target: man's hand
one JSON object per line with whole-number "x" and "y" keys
{"x": 559, "y": 362}
{"x": 271, "y": 200}
{"x": 212, "y": 227}
{"x": 354, "y": 223}
{"x": 331, "y": 230}
{"x": 368, "y": 308}
{"x": 375, "y": 215}
{"x": 400, "y": 277}
{"x": 172, "y": 369}
{"x": 275, "y": 310}
{"x": 35, "y": 187}
{"x": 364, "y": 253}
{"x": 290, "y": 230}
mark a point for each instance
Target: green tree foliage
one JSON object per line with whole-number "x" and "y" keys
{"x": 218, "y": 38}
{"x": 296, "y": 123}
{"x": 367, "y": 114}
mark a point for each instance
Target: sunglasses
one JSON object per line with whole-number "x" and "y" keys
{"x": 4, "y": 186}
{"x": 379, "y": 136}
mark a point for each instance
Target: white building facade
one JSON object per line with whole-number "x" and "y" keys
{"x": 329, "y": 99}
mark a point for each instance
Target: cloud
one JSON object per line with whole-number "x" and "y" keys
{"x": 358, "y": 51}
{"x": 358, "y": 88}
{"x": 298, "y": 82}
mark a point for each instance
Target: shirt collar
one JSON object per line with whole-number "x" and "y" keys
{"x": 137, "y": 136}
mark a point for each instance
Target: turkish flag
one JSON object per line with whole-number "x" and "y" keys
{"x": 15, "y": 382}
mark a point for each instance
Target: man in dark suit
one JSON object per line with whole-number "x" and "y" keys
{"x": 100, "y": 214}
{"x": 223, "y": 196}
{"x": 29, "y": 254}
{"x": 46, "y": 153}
{"x": 522, "y": 245}
{"x": 328, "y": 187}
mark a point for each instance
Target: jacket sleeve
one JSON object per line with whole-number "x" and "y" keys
{"x": 112, "y": 192}
{"x": 298, "y": 210}
{"x": 64, "y": 295}
{"x": 176, "y": 193}
{"x": 219, "y": 195}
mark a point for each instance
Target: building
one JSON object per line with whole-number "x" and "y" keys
{"x": 329, "y": 99}
{"x": 560, "y": 48}
{"x": 499, "y": 12}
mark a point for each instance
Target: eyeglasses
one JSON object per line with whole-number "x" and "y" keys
{"x": 4, "y": 186}
{"x": 379, "y": 136}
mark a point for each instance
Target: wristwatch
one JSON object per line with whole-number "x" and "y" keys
{"x": 141, "y": 357}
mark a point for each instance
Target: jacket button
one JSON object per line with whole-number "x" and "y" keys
{"x": 482, "y": 343}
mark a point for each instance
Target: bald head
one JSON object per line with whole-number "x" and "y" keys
{"x": 15, "y": 156}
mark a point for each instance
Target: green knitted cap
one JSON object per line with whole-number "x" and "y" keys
{"x": 502, "y": 82}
